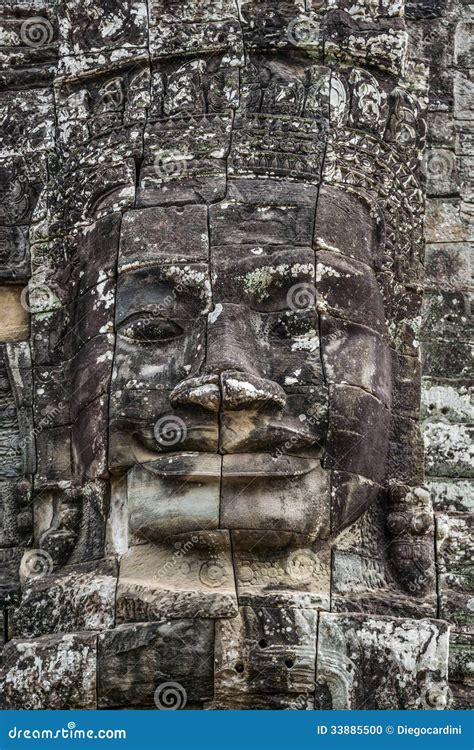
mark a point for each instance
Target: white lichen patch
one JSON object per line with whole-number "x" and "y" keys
{"x": 323, "y": 270}
{"x": 309, "y": 341}
{"x": 191, "y": 278}
{"x": 212, "y": 316}
{"x": 445, "y": 402}
{"x": 322, "y": 245}
{"x": 258, "y": 283}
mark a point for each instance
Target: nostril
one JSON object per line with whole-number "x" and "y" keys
{"x": 201, "y": 391}
{"x": 240, "y": 390}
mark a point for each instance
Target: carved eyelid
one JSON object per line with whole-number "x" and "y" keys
{"x": 151, "y": 316}
{"x": 151, "y": 319}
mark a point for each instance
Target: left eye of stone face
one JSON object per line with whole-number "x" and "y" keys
{"x": 148, "y": 331}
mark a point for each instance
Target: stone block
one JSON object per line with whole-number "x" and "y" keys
{"x": 90, "y": 39}
{"x": 445, "y": 223}
{"x": 60, "y": 671}
{"x": 15, "y": 323}
{"x": 383, "y": 663}
{"x": 54, "y": 455}
{"x": 448, "y": 449}
{"x": 79, "y": 597}
{"x": 14, "y": 254}
{"x": 288, "y": 493}
{"x": 134, "y": 660}
{"x": 356, "y": 355}
{"x": 405, "y": 454}
{"x": 351, "y": 496}
{"x": 357, "y": 439}
{"x": 461, "y": 671}
{"x": 30, "y": 114}
{"x": 406, "y": 375}
{"x": 447, "y": 359}
{"x": 441, "y": 171}
{"x": 265, "y": 651}
{"x": 464, "y": 96}
{"x": 10, "y": 558}
{"x": 337, "y": 210}
{"x": 348, "y": 289}
{"x": 451, "y": 495}
{"x": 454, "y": 558}
{"x": 239, "y": 223}
{"x": 164, "y": 235}
{"x": 193, "y": 577}
{"x": 281, "y": 569}
{"x": 89, "y": 441}
{"x": 162, "y": 505}
{"x": 448, "y": 403}
{"x": 446, "y": 315}
{"x": 261, "y": 425}
{"x": 265, "y": 277}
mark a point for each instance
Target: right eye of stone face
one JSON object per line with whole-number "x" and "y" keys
{"x": 148, "y": 330}
{"x": 289, "y": 324}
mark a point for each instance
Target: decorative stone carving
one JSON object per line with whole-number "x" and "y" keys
{"x": 414, "y": 654}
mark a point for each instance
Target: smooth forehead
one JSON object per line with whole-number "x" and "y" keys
{"x": 258, "y": 220}
{"x": 264, "y": 238}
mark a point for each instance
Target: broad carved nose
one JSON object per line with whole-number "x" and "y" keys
{"x": 232, "y": 340}
{"x": 233, "y": 378}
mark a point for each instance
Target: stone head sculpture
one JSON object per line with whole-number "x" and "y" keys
{"x": 226, "y": 268}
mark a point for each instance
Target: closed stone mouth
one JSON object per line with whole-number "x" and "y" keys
{"x": 200, "y": 466}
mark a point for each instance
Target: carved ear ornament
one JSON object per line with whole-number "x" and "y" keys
{"x": 410, "y": 525}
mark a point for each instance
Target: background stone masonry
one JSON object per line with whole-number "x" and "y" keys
{"x": 43, "y": 47}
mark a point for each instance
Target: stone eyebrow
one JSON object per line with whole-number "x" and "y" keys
{"x": 185, "y": 285}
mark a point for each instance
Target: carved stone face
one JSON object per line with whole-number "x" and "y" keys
{"x": 226, "y": 268}
{"x": 251, "y": 353}
{"x": 243, "y": 233}
{"x": 218, "y": 364}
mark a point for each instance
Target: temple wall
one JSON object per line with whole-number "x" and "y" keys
{"x": 447, "y": 332}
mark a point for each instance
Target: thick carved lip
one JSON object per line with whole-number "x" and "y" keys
{"x": 266, "y": 438}
{"x": 201, "y": 466}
